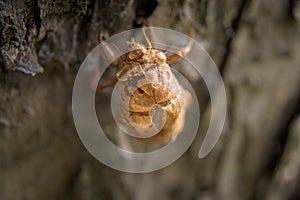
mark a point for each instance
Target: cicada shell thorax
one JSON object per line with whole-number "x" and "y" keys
{"x": 147, "y": 82}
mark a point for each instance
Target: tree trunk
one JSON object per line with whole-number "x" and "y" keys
{"x": 254, "y": 43}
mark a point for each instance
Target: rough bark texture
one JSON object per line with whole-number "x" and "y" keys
{"x": 256, "y": 45}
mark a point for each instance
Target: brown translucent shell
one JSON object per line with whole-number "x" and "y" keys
{"x": 161, "y": 89}
{"x": 141, "y": 102}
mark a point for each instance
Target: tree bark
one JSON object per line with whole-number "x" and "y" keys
{"x": 254, "y": 43}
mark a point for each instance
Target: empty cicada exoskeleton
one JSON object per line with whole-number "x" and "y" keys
{"x": 153, "y": 103}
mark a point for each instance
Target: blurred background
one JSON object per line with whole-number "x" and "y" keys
{"x": 255, "y": 44}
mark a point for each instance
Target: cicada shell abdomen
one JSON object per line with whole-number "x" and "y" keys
{"x": 153, "y": 99}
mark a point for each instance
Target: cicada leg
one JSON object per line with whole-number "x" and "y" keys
{"x": 109, "y": 54}
{"x": 179, "y": 54}
{"x": 107, "y": 84}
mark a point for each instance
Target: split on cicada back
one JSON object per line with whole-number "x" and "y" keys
{"x": 150, "y": 104}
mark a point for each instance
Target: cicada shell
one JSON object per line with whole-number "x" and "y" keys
{"x": 151, "y": 94}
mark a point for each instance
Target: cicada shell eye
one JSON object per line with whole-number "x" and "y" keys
{"x": 161, "y": 57}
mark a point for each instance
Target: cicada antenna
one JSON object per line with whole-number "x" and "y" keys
{"x": 147, "y": 39}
